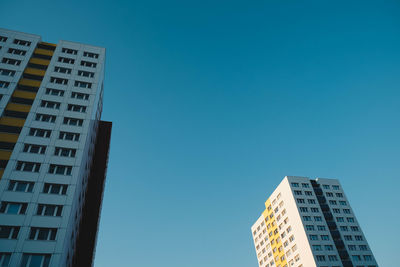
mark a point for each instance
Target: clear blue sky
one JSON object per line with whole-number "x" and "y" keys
{"x": 214, "y": 102}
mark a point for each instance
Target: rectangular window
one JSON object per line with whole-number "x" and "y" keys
{"x": 83, "y": 84}
{"x": 40, "y": 132}
{"x": 58, "y": 189}
{"x": 73, "y": 121}
{"x": 300, "y": 200}
{"x": 45, "y": 118}
{"x": 35, "y": 260}
{"x": 314, "y": 210}
{"x": 311, "y": 201}
{"x": 307, "y": 218}
{"x": 3, "y": 39}
{"x": 348, "y": 238}
{"x": 324, "y": 237}
{"x": 321, "y": 258}
{"x": 335, "y": 187}
{"x": 336, "y": 210}
{"x": 295, "y": 184}
{"x": 26, "y": 166}
{"x": 58, "y": 80}
{"x": 321, "y": 227}
{"x": 13, "y": 207}
{"x": 343, "y": 203}
{"x": 85, "y": 73}
{"x": 88, "y": 64}
{"x": 21, "y": 42}
{"x": 308, "y": 193}
{"x": 352, "y": 247}
{"x": 92, "y": 55}
{"x": 64, "y": 152}
{"x": 332, "y": 202}
{"x": 9, "y": 232}
{"x": 38, "y": 233}
{"x": 62, "y": 70}
{"x": 11, "y": 61}
{"x": 297, "y": 192}
{"x": 49, "y": 210}
{"x": 317, "y": 218}
{"x": 80, "y": 96}
{"x": 60, "y": 169}
{"x": 35, "y": 149}
{"x": 329, "y": 194}
{"x": 355, "y": 228}
{"x": 5, "y": 72}
{"x": 69, "y": 136}
{"x": 303, "y": 209}
{"x": 346, "y": 211}
{"x": 339, "y": 195}
{"x": 328, "y": 247}
{"x": 5, "y": 257}
{"x": 363, "y": 247}
{"x": 55, "y": 92}
{"x": 20, "y": 186}
{"x": 18, "y": 52}
{"x": 344, "y": 228}
{"x": 326, "y": 186}
{"x": 50, "y": 104}
{"x": 69, "y": 51}
{"x": 304, "y": 185}
{"x": 332, "y": 258}
{"x": 76, "y": 108}
{"x": 4, "y": 84}
{"x": 350, "y": 219}
{"x": 310, "y": 227}
{"x": 317, "y": 247}
{"x": 66, "y": 60}
{"x": 339, "y": 219}
{"x": 358, "y": 238}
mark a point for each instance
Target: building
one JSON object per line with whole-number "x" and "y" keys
{"x": 310, "y": 223}
{"x": 53, "y": 150}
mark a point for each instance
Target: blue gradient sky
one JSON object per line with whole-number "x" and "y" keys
{"x": 214, "y": 102}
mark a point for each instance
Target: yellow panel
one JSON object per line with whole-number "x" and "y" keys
{"x": 35, "y": 71}
{"x": 39, "y": 61}
{"x": 45, "y": 43}
{"x": 43, "y": 52}
{"x": 29, "y": 82}
{"x": 5, "y": 155}
{"x": 18, "y": 107}
{"x": 12, "y": 121}
{"x": 8, "y": 137}
{"x": 24, "y": 94}
{"x": 1, "y": 172}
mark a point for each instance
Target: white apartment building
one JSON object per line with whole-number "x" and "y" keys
{"x": 310, "y": 223}
{"x": 51, "y": 99}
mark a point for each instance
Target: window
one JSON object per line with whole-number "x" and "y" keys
{"x": 313, "y": 237}
{"x": 295, "y": 184}
{"x": 62, "y": 70}
{"x": 352, "y": 247}
{"x": 13, "y": 207}
{"x": 346, "y": 211}
{"x": 85, "y": 73}
{"x": 332, "y": 202}
{"x": 320, "y": 258}
{"x": 332, "y": 258}
{"x": 363, "y": 247}
{"x": 66, "y": 60}
{"x": 339, "y": 195}
{"x": 49, "y": 210}
{"x": 35, "y": 260}
{"x": 336, "y": 210}
{"x": 35, "y": 149}
{"x": 343, "y": 203}
{"x": 311, "y": 201}
{"x": 88, "y": 64}
{"x": 9, "y": 232}
{"x": 307, "y": 218}
{"x": 305, "y": 185}
{"x": 4, "y": 257}
{"x": 324, "y": 237}
{"x": 356, "y": 257}
{"x": 50, "y": 104}
{"x": 291, "y": 238}
{"x": 339, "y": 219}
{"x": 350, "y": 219}
{"x": 58, "y": 189}
{"x": 69, "y": 136}
{"x": 344, "y": 228}
{"x": 83, "y": 84}
{"x": 314, "y": 210}
{"x": 37, "y": 233}
{"x": 358, "y": 238}
{"x": 21, "y": 42}
{"x": 28, "y": 166}
{"x": 3, "y": 39}
{"x": 11, "y": 61}
{"x": 318, "y": 218}
{"x": 300, "y": 200}
{"x": 367, "y": 257}
{"x": 329, "y": 194}
{"x": 303, "y": 209}
{"x": 64, "y": 152}
{"x": 45, "y": 118}
{"x": 69, "y": 51}
{"x": 321, "y": 227}
{"x": 92, "y": 55}
{"x": 80, "y": 96}
{"x": 20, "y": 186}
{"x": 58, "y": 80}
{"x": 40, "y": 132}
{"x": 76, "y": 108}
{"x": 56, "y": 92}
{"x": 73, "y": 121}
{"x": 335, "y": 187}
{"x": 5, "y": 72}
{"x": 60, "y": 169}
{"x": 328, "y": 247}
{"x": 317, "y": 247}
{"x": 297, "y": 192}
{"x": 4, "y": 84}
{"x": 18, "y": 52}
{"x": 308, "y": 193}
{"x": 348, "y": 238}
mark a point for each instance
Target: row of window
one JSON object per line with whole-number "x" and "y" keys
{"x": 18, "y": 208}
{"x": 6, "y": 72}
{"x": 27, "y": 187}
{"x": 41, "y": 149}
{"x": 324, "y": 258}
{"x": 64, "y": 81}
{"x": 27, "y": 166}
{"x": 15, "y": 41}
{"x": 75, "y": 52}
{"x": 28, "y": 260}
{"x": 36, "y": 233}
{"x": 69, "y": 71}
{"x": 58, "y": 92}
{"x": 83, "y": 63}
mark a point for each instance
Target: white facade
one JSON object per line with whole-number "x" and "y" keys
{"x": 54, "y": 192}
{"x": 315, "y": 226}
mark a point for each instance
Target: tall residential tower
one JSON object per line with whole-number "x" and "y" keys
{"x": 309, "y": 223}
{"x": 53, "y": 150}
